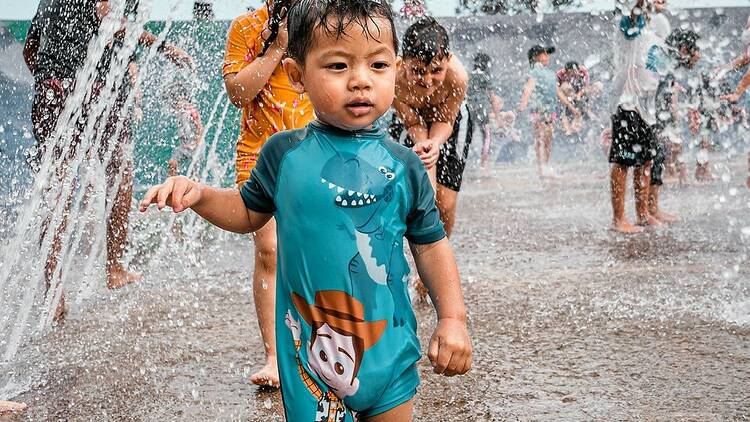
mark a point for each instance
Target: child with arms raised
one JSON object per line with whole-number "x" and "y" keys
{"x": 344, "y": 197}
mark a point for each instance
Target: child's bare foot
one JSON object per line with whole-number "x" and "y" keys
{"x": 118, "y": 277}
{"x": 625, "y": 227}
{"x": 648, "y": 221}
{"x": 8, "y": 408}
{"x": 268, "y": 376}
{"x": 666, "y": 217}
{"x": 420, "y": 289}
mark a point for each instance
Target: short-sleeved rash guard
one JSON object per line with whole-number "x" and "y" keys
{"x": 343, "y": 202}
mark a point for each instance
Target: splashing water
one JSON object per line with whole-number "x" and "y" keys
{"x": 69, "y": 199}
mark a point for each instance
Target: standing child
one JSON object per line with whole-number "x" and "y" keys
{"x": 256, "y": 82}
{"x": 430, "y": 114}
{"x": 344, "y": 197}
{"x": 681, "y": 52}
{"x": 574, "y": 82}
{"x": 480, "y": 96}
{"x": 189, "y": 125}
{"x": 542, "y": 95}
{"x": 632, "y": 106}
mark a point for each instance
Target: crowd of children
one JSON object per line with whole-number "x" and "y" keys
{"x": 311, "y": 79}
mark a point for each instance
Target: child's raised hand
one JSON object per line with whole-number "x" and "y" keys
{"x": 450, "y": 348}
{"x": 179, "y": 193}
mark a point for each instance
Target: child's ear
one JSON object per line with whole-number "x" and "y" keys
{"x": 399, "y": 63}
{"x": 295, "y": 74}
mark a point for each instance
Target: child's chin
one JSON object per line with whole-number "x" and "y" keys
{"x": 359, "y": 124}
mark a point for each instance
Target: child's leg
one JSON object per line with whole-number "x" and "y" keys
{"x": 641, "y": 185}
{"x": 539, "y": 146}
{"x": 566, "y": 124}
{"x": 655, "y": 210}
{"x": 549, "y": 130}
{"x": 264, "y": 296}
{"x": 117, "y": 227}
{"x": 486, "y": 141}
{"x": 401, "y": 413}
{"x": 618, "y": 181}
{"x": 702, "y": 166}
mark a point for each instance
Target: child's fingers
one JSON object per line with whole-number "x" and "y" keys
{"x": 164, "y": 193}
{"x": 148, "y": 199}
{"x": 445, "y": 354}
{"x": 432, "y": 350}
{"x": 469, "y": 361}
{"x": 177, "y": 194}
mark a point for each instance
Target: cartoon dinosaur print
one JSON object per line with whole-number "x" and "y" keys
{"x": 364, "y": 192}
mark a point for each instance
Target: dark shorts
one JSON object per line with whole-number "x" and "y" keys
{"x": 49, "y": 102}
{"x": 661, "y": 153}
{"x": 453, "y": 154}
{"x": 633, "y": 140}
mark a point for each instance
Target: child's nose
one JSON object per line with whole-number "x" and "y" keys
{"x": 360, "y": 79}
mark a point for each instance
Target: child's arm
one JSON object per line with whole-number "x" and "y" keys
{"x": 244, "y": 86}
{"x": 527, "y": 90}
{"x": 223, "y": 208}
{"x": 744, "y": 83}
{"x": 450, "y": 347}
{"x": 176, "y": 55}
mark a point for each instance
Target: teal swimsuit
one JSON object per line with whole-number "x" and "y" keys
{"x": 343, "y": 202}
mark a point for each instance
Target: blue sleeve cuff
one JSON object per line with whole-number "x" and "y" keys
{"x": 252, "y": 202}
{"x": 428, "y": 237}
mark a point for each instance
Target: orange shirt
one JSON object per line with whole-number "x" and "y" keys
{"x": 277, "y": 107}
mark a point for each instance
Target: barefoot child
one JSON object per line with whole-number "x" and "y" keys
{"x": 430, "y": 91}
{"x": 430, "y": 116}
{"x": 256, "y": 82}
{"x": 344, "y": 197}
{"x": 682, "y": 52}
{"x": 632, "y": 107}
{"x": 480, "y": 99}
{"x": 189, "y": 125}
{"x": 541, "y": 95}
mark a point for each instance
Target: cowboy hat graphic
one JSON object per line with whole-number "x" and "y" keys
{"x": 341, "y": 312}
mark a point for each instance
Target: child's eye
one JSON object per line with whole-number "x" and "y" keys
{"x": 336, "y": 66}
{"x": 380, "y": 65}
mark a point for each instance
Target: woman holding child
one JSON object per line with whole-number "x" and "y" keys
{"x": 257, "y": 83}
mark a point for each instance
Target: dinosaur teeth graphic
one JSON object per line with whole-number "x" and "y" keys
{"x": 350, "y": 199}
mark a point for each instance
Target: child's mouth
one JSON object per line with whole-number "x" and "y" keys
{"x": 359, "y": 108}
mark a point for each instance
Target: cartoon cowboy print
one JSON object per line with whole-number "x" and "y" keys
{"x": 339, "y": 338}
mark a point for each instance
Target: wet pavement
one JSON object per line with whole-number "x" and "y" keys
{"x": 569, "y": 321}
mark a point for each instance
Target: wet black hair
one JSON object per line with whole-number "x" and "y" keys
{"x": 482, "y": 61}
{"x": 334, "y": 17}
{"x": 426, "y": 40}
{"x": 277, "y": 12}
{"x": 683, "y": 38}
{"x": 572, "y": 66}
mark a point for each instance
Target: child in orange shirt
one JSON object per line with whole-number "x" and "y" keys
{"x": 256, "y": 83}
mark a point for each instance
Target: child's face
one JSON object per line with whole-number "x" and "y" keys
{"x": 425, "y": 78}
{"x": 350, "y": 79}
{"x": 543, "y": 58}
{"x": 333, "y": 358}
